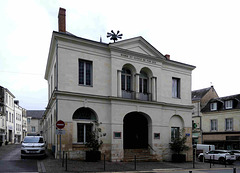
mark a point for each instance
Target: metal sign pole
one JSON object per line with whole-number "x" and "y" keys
{"x": 60, "y": 147}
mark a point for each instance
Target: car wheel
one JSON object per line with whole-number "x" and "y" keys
{"x": 200, "y": 158}
{"x": 22, "y": 157}
{"x": 222, "y": 160}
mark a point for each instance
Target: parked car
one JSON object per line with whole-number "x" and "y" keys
{"x": 237, "y": 153}
{"x": 33, "y": 146}
{"x": 218, "y": 155}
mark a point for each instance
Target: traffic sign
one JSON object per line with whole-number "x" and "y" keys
{"x": 60, "y": 132}
{"x": 60, "y": 124}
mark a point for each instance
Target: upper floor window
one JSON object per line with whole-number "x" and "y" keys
{"x": 228, "y": 104}
{"x": 213, "y": 106}
{"x": 85, "y": 72}
{"x": 33, "y": 129}
{"x": 126, "y": 79}
{"x": 143, "y": 83}
{"x": 229, "y": 124}
{"x": 175, "y": 87}
{"x": 214, "y": 125}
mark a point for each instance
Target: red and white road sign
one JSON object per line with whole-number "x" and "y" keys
{"x": 60, "y": 124}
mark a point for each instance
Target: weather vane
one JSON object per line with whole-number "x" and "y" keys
{"x": 114, "y": 36}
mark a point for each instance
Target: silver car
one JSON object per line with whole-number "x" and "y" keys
{"x": 33, "y": 146}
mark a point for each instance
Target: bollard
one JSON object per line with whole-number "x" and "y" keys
{"x": 190, "y": 171}
{"x": 234, "y": 170}
{"x": 213, "y": 160}
{"x": 210, "y": 161}
{"x": 66, "y": 162}
{"x": 104, "y": 162}
{"x": 63, "y": 160}
{"x": 225, "y": 161}
{"x": 135, "y": 163}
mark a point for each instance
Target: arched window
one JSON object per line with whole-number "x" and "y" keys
{"x": 84, "y": 114}
{"x": 126, "y": 79}
{"x": 143, "y": 83}
{"x": 87, "y": 116}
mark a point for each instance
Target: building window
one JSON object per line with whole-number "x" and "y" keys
{"x": 85, "y": 72}
{"x": 33, "y": 129}
{"x": 175, "y": 87}
{"x": 229, "y": 124}
{"x": 214, "y": 125}
{"x": 143, "y": 83}
{"x": 213, "y": 106}
{"x": 28, "y": 120}
{"x": 6, "y": 115}
{"x": 87, "y": 117}
{"x": 82, "y": 131}
{"x": 228, "y": 104}
{"x": 126, "y": 79}
{"x": 174, "y": 133}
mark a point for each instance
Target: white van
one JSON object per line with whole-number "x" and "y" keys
{"x": 202, "y": 148}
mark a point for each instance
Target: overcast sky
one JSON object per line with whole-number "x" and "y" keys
{"x": 203, "y": 33}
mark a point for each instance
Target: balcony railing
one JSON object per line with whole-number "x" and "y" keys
{"x": 128, "y": 94}
{"x": 134, "y": 95}
{"x": 144, "y": 96}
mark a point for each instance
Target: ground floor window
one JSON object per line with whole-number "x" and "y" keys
{"x": 82, "y": 132}
{"x": 174, "y": 133}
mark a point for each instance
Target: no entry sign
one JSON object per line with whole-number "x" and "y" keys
{"x": 60, "y": 124}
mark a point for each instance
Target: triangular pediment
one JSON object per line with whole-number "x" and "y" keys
{"x": 139, "y": 45}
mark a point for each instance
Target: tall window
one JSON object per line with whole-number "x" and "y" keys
{"x": 214, "y": 125}
{"x": 85, "y": 72}
{"x": 229, "y": 124}
{"x": 228, "y": 104}
{"x": 87, "y": 118}
{"x": 33, "y": 129}
{"x": 83, "y": 131}
{"x": 175, "y": 87}
{"x": 143, "y": 83}
{"x": 174, "y": 133}
{"x": 126, "y": 79}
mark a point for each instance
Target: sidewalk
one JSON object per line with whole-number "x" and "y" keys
{"x": 55, "y": 165}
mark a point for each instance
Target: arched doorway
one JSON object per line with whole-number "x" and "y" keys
{"x": 135, "y": 131}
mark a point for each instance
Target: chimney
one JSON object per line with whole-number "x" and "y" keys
{"x": 167, "y": 56}
{"x": 62, "y": 20}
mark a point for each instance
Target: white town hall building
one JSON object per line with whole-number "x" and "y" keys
{"x": 139, "y": 97}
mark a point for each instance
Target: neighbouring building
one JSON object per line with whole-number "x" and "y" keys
{"x": 140, "y": 98}
{"x": 2, "y": 116}
{"x": 24, "y": 123}
{"x": 221, "y": 127}
{"x": 33, "y": 122}
{"x": 9, "y": 112}
{"x": 18, "y": 111}
{"x": 199, "y": 99}
{"x": 11, "y": 121}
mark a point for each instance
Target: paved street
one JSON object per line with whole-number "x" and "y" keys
{"x": 10, "y": 160}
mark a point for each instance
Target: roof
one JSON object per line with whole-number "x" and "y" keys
{"x": 198, "y": 94}
{"x": 221, "y": 102}
{"x": 36, "y": 114}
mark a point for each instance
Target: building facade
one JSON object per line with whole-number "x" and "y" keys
{"x": 34, "y": 118}
{"x": 9, "y": 108}
{"x": 139, "y": 98}
{"x": 200, "y": 98}
{"x": 221, "y": 117}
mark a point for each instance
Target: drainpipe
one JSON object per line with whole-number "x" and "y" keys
{"x": 56, "y": 89}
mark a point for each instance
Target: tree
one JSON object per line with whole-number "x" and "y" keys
{"x": 94, "y": 141}
{"x": 178, "y": 145}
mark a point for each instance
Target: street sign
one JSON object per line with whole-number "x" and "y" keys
{"x": 60, "y": 132}
{"x": 60, "y": 124}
